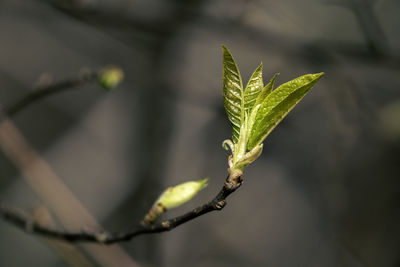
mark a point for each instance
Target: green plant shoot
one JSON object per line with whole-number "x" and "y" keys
{"x": 173, "y": 197}
{"x": 256, "y": 110}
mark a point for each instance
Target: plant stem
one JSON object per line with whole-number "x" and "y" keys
{"x": 27, "y": 224}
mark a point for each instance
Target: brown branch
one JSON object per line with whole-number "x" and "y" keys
{"x": 54, "y": 88}
{"x": 27, "y": 224}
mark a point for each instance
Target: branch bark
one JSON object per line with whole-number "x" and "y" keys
{"x": 29, "y": 225}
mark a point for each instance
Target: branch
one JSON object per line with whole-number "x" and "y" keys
{"x": 42, "y": 92}
{"x": 29, "y": 225}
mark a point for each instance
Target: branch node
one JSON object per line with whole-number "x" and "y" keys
{"x": 101, "y": 237}
{"x": 220, "y": 205}
{"x": 166, "y": 225}
{"x": 234, "y": 181}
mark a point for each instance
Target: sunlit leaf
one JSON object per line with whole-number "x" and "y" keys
{"x": 277, "y": 105}
{"x": 253, "y": 89}
{"x": 266, "y": 90}
{"x": 233, "y": 93}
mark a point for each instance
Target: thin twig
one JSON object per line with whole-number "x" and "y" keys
{"x": 42, "y": 92}
{"x": 27, "y": 224}
{"x": 50, "y": 188}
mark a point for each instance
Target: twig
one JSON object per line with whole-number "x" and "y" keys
{"x": 27, "y": 224}
{"x": 49, "y": 187}
{"x": 42, "y": 92}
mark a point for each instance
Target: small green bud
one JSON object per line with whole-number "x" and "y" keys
{"x": 173, "y": 197}
{"x": 110, "y": 77}
{"x": 180, "y": 194}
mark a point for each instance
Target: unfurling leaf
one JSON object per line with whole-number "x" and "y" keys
{"x": 253, "y": 89}
{"x": 278, "y": 104}
{"x": 228, "y": 144}
{"x": 266, "y": 90}
{"x": 233, "y": 93}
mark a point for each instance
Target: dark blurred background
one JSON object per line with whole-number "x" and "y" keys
{"x": 325, "y": 191}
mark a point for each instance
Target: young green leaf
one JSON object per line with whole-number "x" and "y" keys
{"x": 233, "y": 93}
{"x": 253, "y": 89}
{"x": 278, "y": 104}
{"x": 266, "y": 90}
{"x": 250, "y": 122}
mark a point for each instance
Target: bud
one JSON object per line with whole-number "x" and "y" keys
{"x": 236, "y": 168}
{"x": 110, "y": 77}
{"x": 173, "y": 197}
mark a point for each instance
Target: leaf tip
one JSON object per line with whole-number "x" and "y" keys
{"x": 275, "y": 76}
{"x": 224, "y": 48}
{"x": 319, "y": 75}
{"x": 203, "y": 183}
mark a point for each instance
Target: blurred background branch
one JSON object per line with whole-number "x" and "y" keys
{"x": 50, "y": 188}
{"x": 47, "y": 90}
{"x": 108, "y": 78}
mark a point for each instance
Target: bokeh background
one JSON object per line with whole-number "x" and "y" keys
{"x": 325, "y": 191}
